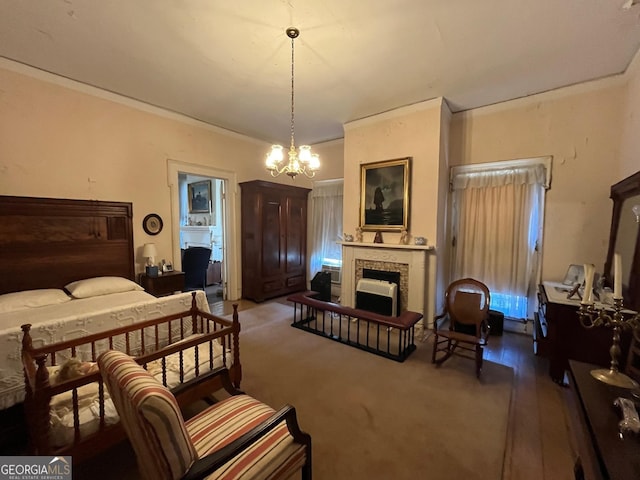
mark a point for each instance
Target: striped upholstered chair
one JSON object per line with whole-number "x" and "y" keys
{"x": 236, "y": 438}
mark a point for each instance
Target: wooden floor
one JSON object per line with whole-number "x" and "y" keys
{"x": 538, "y": 443}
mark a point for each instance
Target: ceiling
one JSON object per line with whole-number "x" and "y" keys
{"x": 227, "y": 63}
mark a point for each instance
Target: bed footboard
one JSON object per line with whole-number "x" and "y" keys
{"x": 194, "y": 353}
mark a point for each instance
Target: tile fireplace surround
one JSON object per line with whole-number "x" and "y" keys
{"x": 411, "y": 261}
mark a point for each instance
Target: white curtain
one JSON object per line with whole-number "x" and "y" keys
{"x": 326, "y": 224}
{"x": 183, "y": 195}
{"x": 497, "y": 228}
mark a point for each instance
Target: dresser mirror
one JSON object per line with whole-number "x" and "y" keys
{"x": 625, "y": 239}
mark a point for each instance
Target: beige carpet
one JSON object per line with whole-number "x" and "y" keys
{"x": 373, "y": 418}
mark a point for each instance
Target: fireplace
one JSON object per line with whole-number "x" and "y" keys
{"x": 378, "y": 296}
{"x": 410, "y": 262}
{"x": 368, "y": 301}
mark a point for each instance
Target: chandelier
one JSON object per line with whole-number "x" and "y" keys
{"x": 301, "y": 161}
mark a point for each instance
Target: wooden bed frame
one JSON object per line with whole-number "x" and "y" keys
{"x": 50, "y": 242}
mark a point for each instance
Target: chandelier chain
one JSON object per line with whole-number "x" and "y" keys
{"x": 292, "y": 96}
{"x": 299, "y": 162}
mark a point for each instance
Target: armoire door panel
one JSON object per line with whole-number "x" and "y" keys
{"x": 296, "y": 234}
{"x": 272, "y": 238}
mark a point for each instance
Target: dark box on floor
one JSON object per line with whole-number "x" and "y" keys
{"x": 496, "y": 322}
{"x": 321, "y": 283}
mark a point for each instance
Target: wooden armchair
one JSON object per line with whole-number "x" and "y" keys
{"x": 238, "y": 437}
{"x": 466, "y": 308}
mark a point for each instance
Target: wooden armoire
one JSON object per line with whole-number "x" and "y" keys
{"x": 274, "y": 239}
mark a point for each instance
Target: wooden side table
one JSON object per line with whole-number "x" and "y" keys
{"x": 165, "y": 284}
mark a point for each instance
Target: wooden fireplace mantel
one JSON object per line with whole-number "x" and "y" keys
{"x": 415, "y": 261}
{"x": 386, "y": 245}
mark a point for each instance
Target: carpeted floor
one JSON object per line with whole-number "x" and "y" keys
{"x": 373, "y": 418}
{"x": 369, "y": 417}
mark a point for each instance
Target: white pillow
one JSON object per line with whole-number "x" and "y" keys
{"x": 10, "y": 302}
{"x": 92, "y": 287}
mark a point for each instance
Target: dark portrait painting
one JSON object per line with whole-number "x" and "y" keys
{"x": 384, "y": 195}
{"x": 200, "y": 197}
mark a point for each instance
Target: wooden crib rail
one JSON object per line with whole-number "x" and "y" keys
{"x": 207, "y": 328}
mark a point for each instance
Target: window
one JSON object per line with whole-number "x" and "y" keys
{"x": 326, "y": 224}
{"x": 497, "y": 229}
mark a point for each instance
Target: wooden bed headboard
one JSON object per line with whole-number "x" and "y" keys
{"x": 49, "y": 242}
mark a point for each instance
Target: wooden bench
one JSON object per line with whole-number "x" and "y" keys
{"x": 387, "y": 336}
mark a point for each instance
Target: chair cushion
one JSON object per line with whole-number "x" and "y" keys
{"x": 151, "y": 417}
{"x": 274, "y": 456}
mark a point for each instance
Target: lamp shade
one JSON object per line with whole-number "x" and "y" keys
{"x": 149, "y": 250}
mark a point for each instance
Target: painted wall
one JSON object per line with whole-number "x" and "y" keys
{"x": 62, "y": 139}
{"x": 580, "y": 127}
{"x": 630, "y": 144}
{"x": 61, "y": 142}
{"x": 331, "y": 162}
{"x": 412, "y": 131}
{"x": 406, "y": 132}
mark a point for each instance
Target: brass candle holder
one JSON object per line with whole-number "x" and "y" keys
{"x": 591, "y": 317}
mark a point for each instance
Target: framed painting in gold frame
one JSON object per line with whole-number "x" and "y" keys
{"x": 200, "y": 197}
{"x": 384, "y": 195}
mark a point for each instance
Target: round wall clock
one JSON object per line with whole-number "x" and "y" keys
{"x": 152, "y": 224}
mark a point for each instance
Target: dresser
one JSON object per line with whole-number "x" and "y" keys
{"x": 559, "y": 336}
{"x": 602, "y": 454}
{"x": 274, "y": 239}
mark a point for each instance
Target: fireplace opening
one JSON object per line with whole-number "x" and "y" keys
{"x": 382, "y": 298}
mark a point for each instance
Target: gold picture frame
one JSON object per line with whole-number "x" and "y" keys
{"x": 200, "y": 197}
{"x": 384, "y": 195}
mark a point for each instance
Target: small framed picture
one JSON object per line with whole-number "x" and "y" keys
{"x": 152, "y": 224}
{"x": 200, "y": 197}
{"x": 167, "y": 267}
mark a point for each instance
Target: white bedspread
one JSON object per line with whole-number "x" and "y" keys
{"x": 74, "y": 319}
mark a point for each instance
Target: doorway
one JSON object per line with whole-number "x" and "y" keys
{"x": 201, "y": 201}
{"x": 196, "y": 224}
